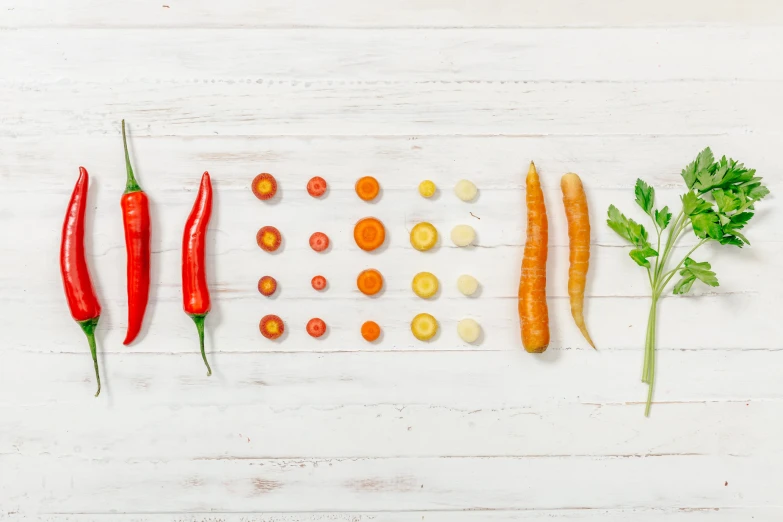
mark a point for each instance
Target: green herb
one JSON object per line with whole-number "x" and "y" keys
{"x": 718, "y": 205}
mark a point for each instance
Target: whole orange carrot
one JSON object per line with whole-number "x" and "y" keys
{"x": 575, "y": 204}
{"x": 533, "y": 312}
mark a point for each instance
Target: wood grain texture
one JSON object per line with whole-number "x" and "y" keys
{"x": 406, "y": 13}
{"x": 399, "y": 431}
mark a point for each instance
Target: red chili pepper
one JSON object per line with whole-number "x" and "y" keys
{"x": 79, "y": 291}
{"x": 136, "y": 221}
{"x": 195, "y": 294}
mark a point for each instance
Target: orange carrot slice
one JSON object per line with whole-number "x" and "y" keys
{"x": 369, "y": 234}
{"x": 371, "y": 331}
{"x": 367, "y": 188}
{"x": 369, "y": 282}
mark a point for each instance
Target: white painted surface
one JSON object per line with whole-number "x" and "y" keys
{"x": 336, "y": 429}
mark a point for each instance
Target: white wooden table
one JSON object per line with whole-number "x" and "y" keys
{"x": 336, "y": 429}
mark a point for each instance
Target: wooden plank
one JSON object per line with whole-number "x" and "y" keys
{"x": 471, "y": 380}
{"x": 655, "y": 54}
{"x": 172, "y": 163}
{"x": 406, "y": 13}
{"x": 676, "y": 514}
{"x": 201, "y": 107}
{"x": 257, "y": 430}
{"x": 616, "y": 324}
{"x": 77, "y": 484}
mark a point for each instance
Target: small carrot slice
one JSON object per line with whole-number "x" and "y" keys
{"x": 575, "y": 203}
{"x": 424, "y": 236}
{"x": 369, "y": 233}
{"x": 319, "y": 241}
{"x": 371, "y": 331}
{"x": 267, "y": 285}
{"x": 367, "y": 188}
{"x": 271, "y": 326}
{"x": 269, "y": 238}
{"x": 318, "y": 282}
{"x": 369, "y": 282}
{"x": 316, "y": 327}
{"x": 316, "y": 187}
{"x": 427, "y": 188}
{"x": 264, "y": 186}
{"x": 533, "y": 311}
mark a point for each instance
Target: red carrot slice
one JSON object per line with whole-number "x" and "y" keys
{"x": 269, "y": 238}
{"x": 318, "y": 282}
{"x": 316, "y": 327}
{"x": 319, "y": 241}
{"x": 267, "y": 285}
{"x": 271, "y": 326}
{"x": 264, "y": 186}
{"x": 316, "y": 187}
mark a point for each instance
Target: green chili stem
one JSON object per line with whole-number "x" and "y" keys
{"x": 199, "y": 320}
{"x": 131, "y": 185}
{"x": 88, "y": 327}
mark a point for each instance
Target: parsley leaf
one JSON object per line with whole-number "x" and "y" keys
{"x": 645, "y": 196}
{"x": 640, "y": 255}
{"x": 707, "y": 225}
{"x": 701, "y": 271}
{"x": 693, "y": 204}
{"x": 684, "y": 285}
{"x": 627, "y": 228}
{"x": 662, "y": 217}
{"x": 702, "y": 163}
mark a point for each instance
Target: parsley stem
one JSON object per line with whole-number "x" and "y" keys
{"x": 668, "y": 275}
{"x": 648, "y": 374}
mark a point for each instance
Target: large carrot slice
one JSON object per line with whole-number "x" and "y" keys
{"x": 575, "y": 204}
{"x": 533, "y": 311}
{"x": 369, "y": 282}
{"x": 369, "y": 233}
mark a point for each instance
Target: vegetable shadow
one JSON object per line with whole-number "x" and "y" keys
{"x": 101, "y": 331}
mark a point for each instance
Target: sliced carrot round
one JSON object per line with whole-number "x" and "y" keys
{"x": 267, "y": 285}
{"x": 316, "y": 187}
{"x": 319, "y": 241}
{"x": 316, "y": 327}
{"x": 271, "y": 326}
{"x": 369, "y": 233}
{"x": 264, "y": 186}
{"x": 371, "y": 331}
{"x": 424, "y": 236}
{"x": 424, "y": 327}
{"x": 367, "y": 188}
{"x": 318, "y": 282}
{"x": 269, "y": 238}
{"x": 369, "y": 282}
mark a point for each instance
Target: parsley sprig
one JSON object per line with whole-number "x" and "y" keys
{"x": 719, "y": 203}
